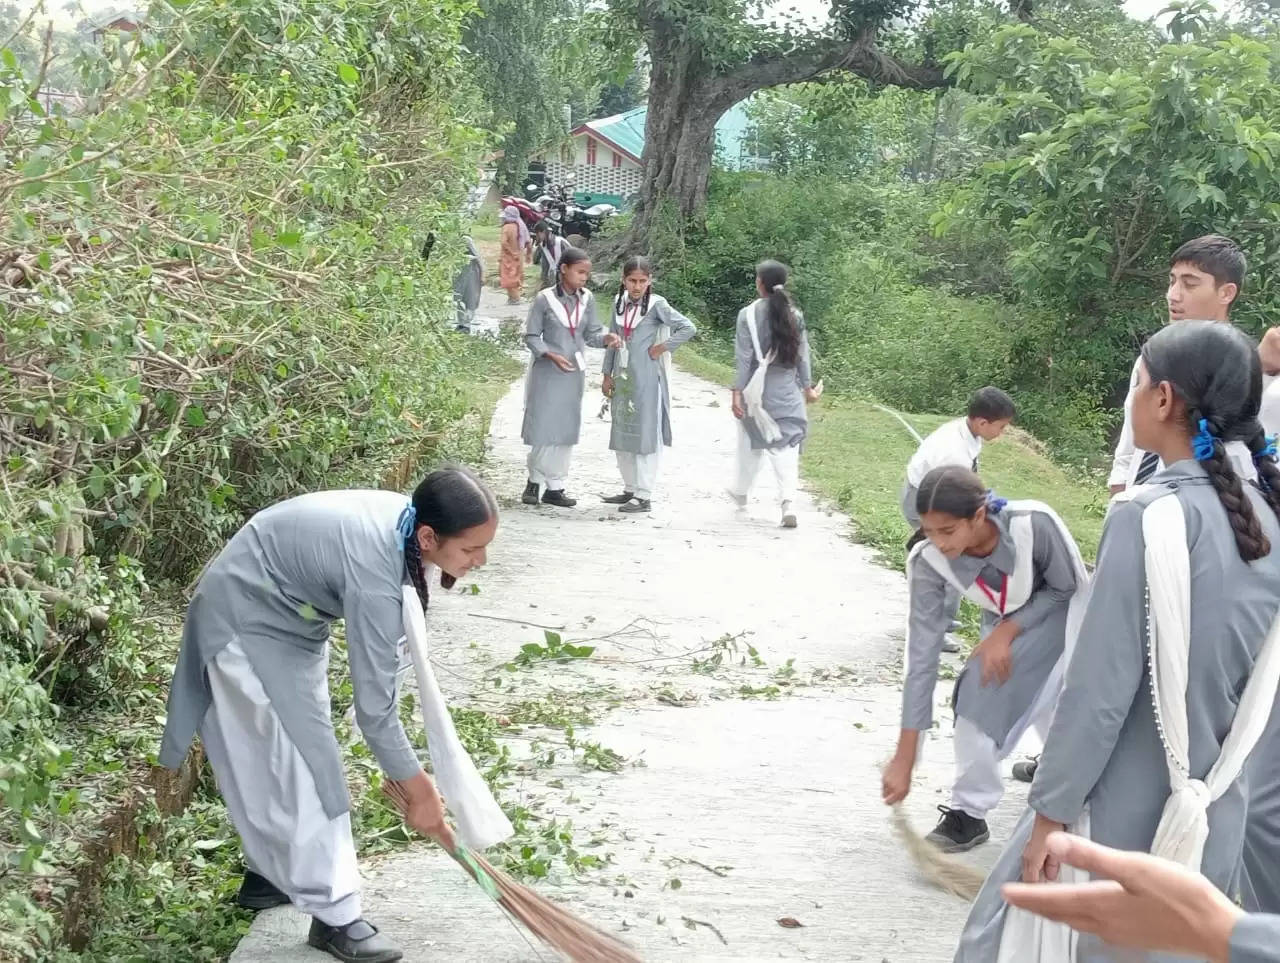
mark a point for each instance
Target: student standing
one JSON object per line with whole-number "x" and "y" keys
{"x": 1162, "y": 676}
{"x": 1206, "y": 276}
{"x": 1260, "y": 882}
{"x": 252, "y": 679}
{"x": 773, "y": 385}
{"x": 562, "y": 323}
{"x": 636, "y": 378}
{"x": 1018, "y": 562}
{"x": 551, "y": 249}
{"x": 515, "y": 243}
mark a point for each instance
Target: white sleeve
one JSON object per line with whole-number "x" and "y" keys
{"x": 1122, "y": 460}
{"x": 1270, "y": 413}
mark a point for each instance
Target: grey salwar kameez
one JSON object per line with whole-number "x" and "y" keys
{"x": 1260, "y": 880}
{"x": 1256, "y": 939}
{"x": 553, "y": 398}
{"x": 252, "y": 678}
{"x": 641, "y": 405}
{"x": 987, "y": 715}
{"x": 1103, "y": 748}
{"x": 784, "y": 389}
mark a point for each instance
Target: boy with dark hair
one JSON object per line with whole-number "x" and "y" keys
{"x": 1206, "y": 275}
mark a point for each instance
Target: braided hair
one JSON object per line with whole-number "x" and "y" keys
{"x": 635, "y": 263}
{"x": 449, "y": 501}
{"x": 1214, "y": 369}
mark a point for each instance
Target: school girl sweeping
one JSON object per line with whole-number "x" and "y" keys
{"x": 251, "y": 678}
{"x": 773, "y": 385}
{"x": 637, "y": 379}
{"x": 1176, "y": 664}
{"x": 561, "y": 324}
{"x": 1020, "y": 565}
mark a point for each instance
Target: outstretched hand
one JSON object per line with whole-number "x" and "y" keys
{"x": 1136, "y": 900}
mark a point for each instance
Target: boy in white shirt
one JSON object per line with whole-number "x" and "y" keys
{"x": 957, "y": 442}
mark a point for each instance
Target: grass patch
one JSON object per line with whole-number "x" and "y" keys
{"x": 856, "y": 456}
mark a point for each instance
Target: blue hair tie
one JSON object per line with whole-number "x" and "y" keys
{"x": 995, "y": 504}
{"x": 1268, "y": 452}
{"x": 408, "y": 521}
{"x": 1202, "y": 443}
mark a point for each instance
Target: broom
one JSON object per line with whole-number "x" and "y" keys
{"x": 553, "y": 924}
{"x": 945, "y": 871}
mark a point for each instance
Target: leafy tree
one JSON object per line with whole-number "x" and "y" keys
{"x": 1101, "y": 171}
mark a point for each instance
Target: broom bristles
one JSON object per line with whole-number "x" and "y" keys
{"x": 943, "y": 870}
{"x": 556, "y": 926}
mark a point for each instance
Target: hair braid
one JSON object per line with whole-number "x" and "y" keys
{"x": 1268, "y": 470}
{"x": 413, "y": 568}
{"x": 1251, "y": 542}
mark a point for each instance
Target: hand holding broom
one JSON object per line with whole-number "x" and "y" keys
{"x": 553, "y": 924}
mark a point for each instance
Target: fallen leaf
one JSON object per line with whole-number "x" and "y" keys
{"x": 789, "y": 923}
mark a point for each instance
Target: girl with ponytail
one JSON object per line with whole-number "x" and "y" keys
{"x": 251, "y": 679}
{"x": 1020, "y": 565}
{"x": 1155, "y": 740}
{"x": 637, "y": 378}
{"x": 773, "y": 385}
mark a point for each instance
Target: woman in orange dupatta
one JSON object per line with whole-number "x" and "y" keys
{"x": 515, "y": 242}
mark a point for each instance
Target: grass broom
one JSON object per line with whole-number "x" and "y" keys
{"x": 941, "y": 869}
{"x": 560, "y": 929}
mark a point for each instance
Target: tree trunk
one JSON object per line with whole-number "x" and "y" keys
{"x": 687, "y": 98}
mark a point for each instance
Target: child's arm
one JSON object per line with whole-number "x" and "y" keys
{"x": 593, "y": 332}
{"x": 682, "y": 329}
{"x": 744, "y": 352}
{"x": 804, "y": 371}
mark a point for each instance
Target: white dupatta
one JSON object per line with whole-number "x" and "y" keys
{"x": 1184, "y": 823}
{"x": 753, "y": 393}
{"x": 481, "y": 821}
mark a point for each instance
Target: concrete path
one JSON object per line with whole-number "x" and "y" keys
{"x": 749, "y": 792}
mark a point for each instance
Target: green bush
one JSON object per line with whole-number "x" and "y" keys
{"x": 213, "y": 298}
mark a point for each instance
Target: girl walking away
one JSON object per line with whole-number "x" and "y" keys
{"x": 515, "y": 244}
{"x": 637, "y": 378}
{"x": 772, "y": 388}
{"x": 551, "y": 248}
{"x": 1020, "y": 565}
{"x": 562, "y": 323}
{"x": 251, "y": 678}
{"x": 1176, "y": 666}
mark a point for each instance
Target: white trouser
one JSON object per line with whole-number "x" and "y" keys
{"x": 639, "y": 472}
{"x": 784, "y": 461}
{"x": 979, "y": 784}
{"x": 272, "y": 799}
{"x": 549, "y": 465}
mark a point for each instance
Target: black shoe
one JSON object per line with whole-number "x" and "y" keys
{"x": 558, "y": 498}
{"x": 357, "y": 942}
{"x": 619, "y": 499}
{"x": 530, "y": 496}
{"x": 958, "y": 832}
{"x": 637, "y": 506}
{"x": 258, "y": 893}
{"x": 1025, "y": 771}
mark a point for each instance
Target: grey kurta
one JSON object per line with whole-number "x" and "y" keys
{"x": 1260, "y": 882}
{"x": 1256, "y": 939}
{"x": 641, "y": 394}
{"x": 995, "y": 709}
{"x": 277, "y": 587}
{"x": 553, "y": 398}
{"x": 783, "y": 386}
{"x": 1103, "y": 748}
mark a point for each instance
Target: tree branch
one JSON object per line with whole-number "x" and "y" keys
{"x": 861, "y": 56}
